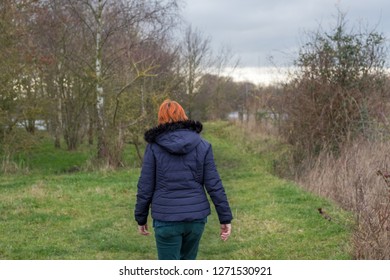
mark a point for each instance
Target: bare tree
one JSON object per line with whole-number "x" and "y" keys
{"x": 16, "y": 80}
{"x": 196, "y": 59}
{"x": 88, "y": 65}
{"x": 119, "y": 30}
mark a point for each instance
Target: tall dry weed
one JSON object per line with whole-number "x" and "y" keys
{"x": 359, "y": 180}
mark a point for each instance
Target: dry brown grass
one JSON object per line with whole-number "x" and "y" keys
{"x": 359, "y": 180}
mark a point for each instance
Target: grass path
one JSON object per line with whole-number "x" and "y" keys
{"x": 46, "y": 215}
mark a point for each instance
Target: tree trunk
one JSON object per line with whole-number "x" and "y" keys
{"x": 59, "y": 126}
{"x": 102, "y": 149}
{"x": 90, "y": 128}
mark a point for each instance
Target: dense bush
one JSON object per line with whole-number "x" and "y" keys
{"x": 338, "y": 92}
{"x": 335, "y": 113}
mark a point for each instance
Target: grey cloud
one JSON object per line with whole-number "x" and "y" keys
{"x": 256, "y": 29}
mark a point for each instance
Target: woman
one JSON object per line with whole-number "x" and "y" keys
{"x": 178, "y": 166}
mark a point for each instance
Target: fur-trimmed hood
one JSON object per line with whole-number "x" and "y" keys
{"x": 178, "y": 137}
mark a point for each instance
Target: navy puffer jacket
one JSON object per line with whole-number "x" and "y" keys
{"x": 178, "y": 166}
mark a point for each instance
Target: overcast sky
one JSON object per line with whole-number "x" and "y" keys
{"x": 257, "y": 30}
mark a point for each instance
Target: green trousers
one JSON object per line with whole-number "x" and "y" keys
{"x": 178, "y": 240}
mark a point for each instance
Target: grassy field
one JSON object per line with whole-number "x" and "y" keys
{"x": 51, "y": 214}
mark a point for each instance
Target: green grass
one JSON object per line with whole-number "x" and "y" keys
{"x": 52, "y": 215}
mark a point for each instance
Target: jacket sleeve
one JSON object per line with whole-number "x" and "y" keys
{"x": 215, "y": 189}
{"x": 146, "y": 186}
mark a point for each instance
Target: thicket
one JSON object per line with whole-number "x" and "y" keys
{"x": 335, "y": 115}
{"x": 96, "y": 72}
{"x": 339, "y": 92}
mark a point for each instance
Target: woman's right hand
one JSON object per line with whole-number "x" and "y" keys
{"x": 226, "y": 229}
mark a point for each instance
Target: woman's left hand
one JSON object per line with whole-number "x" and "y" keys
{"x": 226, "y": 229}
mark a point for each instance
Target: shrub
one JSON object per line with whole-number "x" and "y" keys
{"x": 338, "y": 92}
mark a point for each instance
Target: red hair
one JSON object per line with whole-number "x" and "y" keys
{"x": 171, "y": 111}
